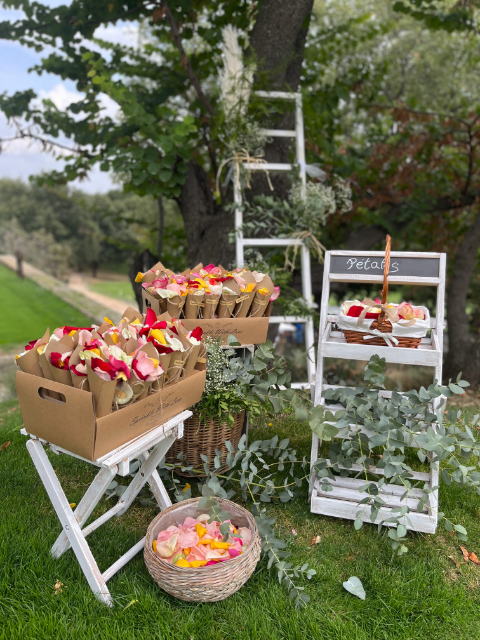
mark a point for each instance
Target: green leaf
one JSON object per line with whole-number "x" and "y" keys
{"x": 358, "y": 524}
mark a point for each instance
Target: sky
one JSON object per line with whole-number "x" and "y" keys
{"x": 22, "y": 159}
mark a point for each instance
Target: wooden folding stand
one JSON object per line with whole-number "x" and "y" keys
{"x": 367, "y": 267}
{"x": 149, "y": 449}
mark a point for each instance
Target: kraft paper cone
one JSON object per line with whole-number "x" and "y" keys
{"x": 193, "y": 305}
{"x": 132, "y": 314}
{"x": 192, "y": 360}
{"x": 244, "y": 301}
{"x": 210, "y": 304}
{"x": 176, "y": 368}
{"x": 175, "y": 306}
{"x": 104, "y": 327}
{"x": 165, "y": 359}
{"x": 226, "y": 305}
{"x": 243, "y": 304}
{"x": 29, "y": 363}
{"x": 259, "y": 305}
{"x": 102, "y": 391}
{"x": 45, "y": 367}
{"x": 139, "y": 388}
{"x": 77, "y": 381}
{"x": 64, "y": 345}
{"x": 151, "y": 352}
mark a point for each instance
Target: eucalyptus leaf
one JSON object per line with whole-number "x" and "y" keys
{"x": 354, "y": 586}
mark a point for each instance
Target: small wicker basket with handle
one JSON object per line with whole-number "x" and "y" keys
{"x": 202, "y": 584}
{"x": 382, "y": 323}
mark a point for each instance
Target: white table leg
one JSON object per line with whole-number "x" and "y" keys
{"x": 145, "y": 472}
{"x": 157, "y": 486}
{"x": 69, "y": 523}
{"x": 86, "y": 506}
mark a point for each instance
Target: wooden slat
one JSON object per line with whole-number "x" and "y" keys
{"x": 333, "y": 319}
{"x": 425, "y": 355}
{"x": 423, "y": 522}
{"x": 268, "y": 166}
{"x": 393, "y": 254}
{"x": 278, "y": 319}
{"x": 272, "y": 242}
{"x": 279, "y": 133}
{"x": 347, "y": 489}
{"x": 283, "y": 95}
{"x": 370, "y": 278}
{"x": 145, "y": 441}
{"x": 416, "y": 475}
{"x": 122, "y": 561}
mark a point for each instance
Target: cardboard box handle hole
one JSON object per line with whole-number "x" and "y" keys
{"x": 58, "y": 399}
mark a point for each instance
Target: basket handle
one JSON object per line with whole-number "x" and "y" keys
{"x": 386, "y": 269}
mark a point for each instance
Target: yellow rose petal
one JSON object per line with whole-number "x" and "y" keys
{"x": 108, "y": 320}
{"x": 182, "y": 563}
{"x": 158, "y": 335}
{"x": 139, "y": 277}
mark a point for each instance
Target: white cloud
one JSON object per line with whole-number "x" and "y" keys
{"x": 125, "y": 34}
{"x": 61, "y": 96}
{"x": 21, "y": 159}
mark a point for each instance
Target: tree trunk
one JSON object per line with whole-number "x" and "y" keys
{"x": 142, "y": 262}
{"x": 161, "y": 224}
{"x": 463, "y": 352}
{"x": 277, "y": 42}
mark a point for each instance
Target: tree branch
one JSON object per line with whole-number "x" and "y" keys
{"x": 185, "y": 61}
{"x": 44, "y": 141}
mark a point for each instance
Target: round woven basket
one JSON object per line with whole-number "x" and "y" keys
{"x": 203, "y": 438}
{"x": 202, "y": 584}
{"x": 383, "y": 324}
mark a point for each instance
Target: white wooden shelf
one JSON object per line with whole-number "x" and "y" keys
{"x": 334, "y": 345}
{"x": 426, "y": 269}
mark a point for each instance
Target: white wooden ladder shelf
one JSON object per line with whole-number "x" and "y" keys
{"x": 427, "y": 269}
{"x": 149, "y": 449}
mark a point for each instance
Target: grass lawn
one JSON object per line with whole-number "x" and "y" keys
{"x": 27, "y": 310}
{"x": 420, "y": 596}
{"x": 115, "y": 289}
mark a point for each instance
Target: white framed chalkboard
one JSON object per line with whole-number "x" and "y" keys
{"x": 368, "y": 264}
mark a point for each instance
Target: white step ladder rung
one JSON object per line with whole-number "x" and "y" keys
{"x": 268, "y": 166}
{"x": 279, "y": 133}
{"x": 242, "y": 242}
{"x": 282, "y": 95}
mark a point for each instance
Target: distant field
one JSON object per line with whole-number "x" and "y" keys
{"x": 27, "y": 310}
{"x": 115, "y": 289}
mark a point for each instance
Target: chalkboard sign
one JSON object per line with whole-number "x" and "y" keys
{"x": 374, "y": 265}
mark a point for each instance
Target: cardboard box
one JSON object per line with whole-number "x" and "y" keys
{"x": 246, "y": 330}
{"x": 70, "y": 422}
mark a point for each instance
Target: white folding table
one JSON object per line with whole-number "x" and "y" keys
{"x": 149, "y": 449}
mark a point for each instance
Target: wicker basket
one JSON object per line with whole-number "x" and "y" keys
{"x": 202, "y": 584}
{"x": 382, "y": 323}
{"x": 203, "y": 438}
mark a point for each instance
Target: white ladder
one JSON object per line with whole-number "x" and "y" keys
{"x": 241, "y": 242}
{"x": 408, "y": 268}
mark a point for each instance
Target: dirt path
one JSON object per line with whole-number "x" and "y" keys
{"x": 91, "y": 304}
{"x": 77, "y": 283}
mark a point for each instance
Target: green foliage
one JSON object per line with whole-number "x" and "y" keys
{"x": 373, "y": 431}
{"x": 227, "y": 387}
{"x": 254, "y": 472}
{"x": 302, "y": 216}
{"x": 162, "y": 120}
